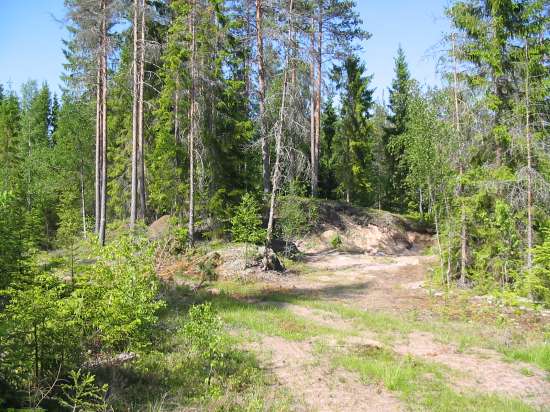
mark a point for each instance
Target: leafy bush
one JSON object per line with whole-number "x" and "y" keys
{"x": 117, "y": 298}
{"x": 336, "y": 241}
{"x": 296, "y": 217}
{"x": 246, "y": 223}
{"x": 41, "y": 336}
{"x": 538, "y": 281}
{"x": 48, "y": 328}
{"x": 204, "y": 331}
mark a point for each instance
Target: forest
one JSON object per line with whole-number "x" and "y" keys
{"x": 192, "y": 135}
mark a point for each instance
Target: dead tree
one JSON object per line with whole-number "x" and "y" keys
{"x": 276, "y": 178}
{"x": 261, "y": 98}
{"x": 461, "y": 161}
{"x": 193, "y": 126}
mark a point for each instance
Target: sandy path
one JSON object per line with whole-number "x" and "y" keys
{"x": 316, "y": 385}
{"x": 385, "y": 284}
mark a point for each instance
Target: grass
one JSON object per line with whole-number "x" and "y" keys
{"x": 169, "y": 376}
{"x": 538, "y": 355}
{"x": 422, "y": 385}
{"x": 268, "y": 319}
{"x": 463, "y": 332}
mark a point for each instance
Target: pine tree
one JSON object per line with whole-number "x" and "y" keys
{"x": 352, "y": 149}
{"x": 327, "y": 178}
{"x": 399, "y": 115}
{"x": 335, "y": 27}
{"x": 10, "y": 114}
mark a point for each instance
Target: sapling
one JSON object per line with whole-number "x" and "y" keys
{"x": 246, "y": 224}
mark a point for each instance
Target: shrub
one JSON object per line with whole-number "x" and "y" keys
{"x": 246, "y": 223}
{"x": 204, "y": 331}
{"x": 117, "y": 298}
{"x": 82, "y": 393}
{"x": 336, "y": 241}
{"x": 296, "y": 218}
{"x": 48, "y": 328}
{"x": 12, "y": 238}
{"x": 538, "y": 281}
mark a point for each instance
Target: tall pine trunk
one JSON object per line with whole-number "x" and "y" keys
{"x": 319, "y": 81}
{"x": 278, "y": 139}
{"x": 529, "y": 163}
{"x": 141, "y": 143}
{"x": 103, "y": 199}
{"x": 313, "y": 104}
{"x": 193, "y": 128}
{"x": 134, "y": 183}
{"x": 266, "y": 173}
{"x": 461, "y": 161}
{"x": 98, "y": 147}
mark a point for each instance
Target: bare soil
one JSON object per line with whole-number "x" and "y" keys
{"x": 386, "y": 284}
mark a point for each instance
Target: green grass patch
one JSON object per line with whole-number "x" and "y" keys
{"x": 174, "y": 376}
{"x": 538, "y": 355}
{"x": 422, "y": 385}
{"x": 268, "y": 319}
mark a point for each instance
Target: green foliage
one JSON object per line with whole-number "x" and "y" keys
{"x": 82, "y": 393}
{"x": 13, "y": 238}
{"x": 327, "y": 178}
{"x": 352, "y": 155}
{"x": 204, "y": 331}
{"x": 48, "y": 328}
{"x": 336, "y": 241}
{"x": 117, "y": 297}
{"x": 538, "y": 281}
{"x": 297, "y": 216}
{"x": 41, "y": 334}
{"x": 246, "y": 223}
{"x": 399, "y": 101}
{"x": 70, "y": 227}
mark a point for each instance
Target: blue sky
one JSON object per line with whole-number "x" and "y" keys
{"x": 30, "y": 39}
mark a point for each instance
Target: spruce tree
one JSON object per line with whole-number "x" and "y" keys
{"x": 327, "y": 177}
{"x": 399, "y": 101}
{"x": 352, "y": 156}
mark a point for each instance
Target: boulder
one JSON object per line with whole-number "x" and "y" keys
{"x": 159, "y": 228}
{"x": 271, "y": 261}
{"x": 288, "y": 249}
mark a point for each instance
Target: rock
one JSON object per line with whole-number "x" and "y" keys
{"x": 288, "y": 249}
{"x": 159, "y": 228}
{"x": 270, "y": 261}
{"x": 212, "y": 259}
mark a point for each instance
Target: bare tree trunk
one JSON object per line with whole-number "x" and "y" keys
{"x": 278, "y": 140}
{"x": 83, "y": 200}
{"x": 313, "y": 123}
{"x": 141, "y": 143}
{"x": 449, "y": 239}
{"x": 98, "y": 148}
{"x": 134, "y": 183}
{"x": 103, "y": 126}
{"x": 437, "y": 228}
{"x": 529, "y": 163}
{"x": 266, "y": 173}
{"x": 319, "y": 80}
{"x": 176, "y": 115}
{"x": 192, "y": 129}
{"x": 463, "y": 228}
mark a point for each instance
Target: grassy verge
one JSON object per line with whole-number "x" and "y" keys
{"x": 169, "y": 375}
{"x": 487, "y": 331}
{"x": 422, "y": 385}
